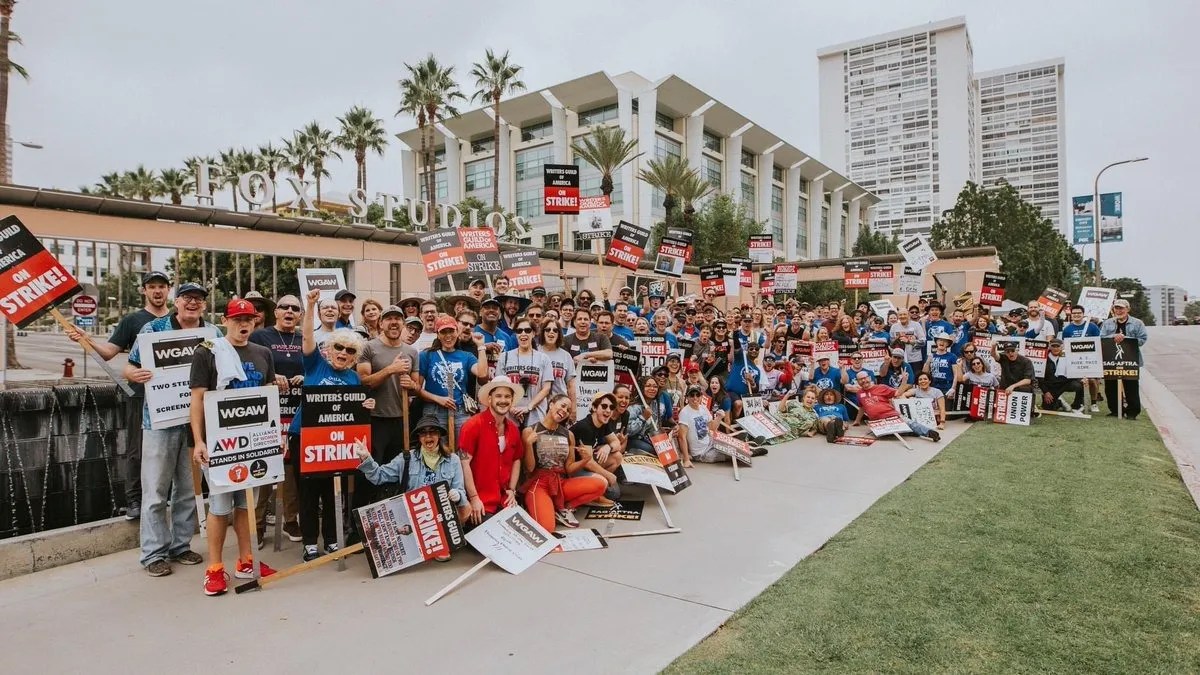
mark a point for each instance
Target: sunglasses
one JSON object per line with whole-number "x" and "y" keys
{"x": 343, "y": 348}
{"x": 466, "y": 324}
{"x": 550, "y": 329}
{"x": 289, "y": 308}
{"x": 604, "y": 406}
{"x": 524, "y": 331}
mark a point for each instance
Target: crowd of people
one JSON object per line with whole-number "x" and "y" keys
{"x": 489, "y": 381}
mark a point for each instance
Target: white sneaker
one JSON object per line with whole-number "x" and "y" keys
{"x": 1095, "y": 408}
{"x": 567, "y": 518}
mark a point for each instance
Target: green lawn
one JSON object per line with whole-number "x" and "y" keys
{"x": 1070, "y": 545}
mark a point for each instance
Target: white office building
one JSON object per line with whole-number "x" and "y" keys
{"x": 1166, "y": 302}
{"x": 898, "y": 116}
{"x": 813, "y": 211}
{"x": 1023, "y": 136}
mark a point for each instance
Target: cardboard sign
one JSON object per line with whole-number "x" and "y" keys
{"x": 873, "y": 358}
{"x": 168, "y": 355}
{"x": 856, "y": 274}
{"x": 479, "y": 247}
{"x": 332, "y": 418}
{"x": 1120, "y": 360}
{"x": 654, "y": 351}
{"x": 766, "y": 282}
{"x": 328, "y": 280}
{"x": 628, "y": 363}
{"x": 761, "y": 425}
{"x": 752, "y": 404}
{"x": 888, "y": 426}
{"x": 289, "y": 403}
{"x": 442, "y": 253}
{"x": 625, "y": 509}
{"x": 595, "y": 218}
{"x": 1052, "y": 301}
{"x": 628, "y": 245}
{"x": 916, "y": 252}
{"x": 883, "y": 279}
{"x": 991, "y": 293}
{"x": 787, "y": 276}
{"x": 580, "y": 540}
{"x": 1014, "y": 408}
{"x": 561, "y": 189}
{"x": 1097, "y": 302}
{"x": 591, "y": 379}
{"x": 911, "y": 282}
{"x": 861, "y": 441}
{"x": 646, "y": 470}
{"x": 1036, "y": 351}
{"x": 32, "y": 282}
{"x": 712, "y": 277}
{"x": 732, "y": 447}
{"x": 1083, "y": 357}
{"x": 684, "y": 235}
{"x": 827, "y": 349}
{"x": 733, "y": 277}
{"x": 409, "y": 529}
{"x": 1001, "y": 340}
{"x": 745, "y": 271}
{"x": 512, "y": 539}
{"x": 671, "y": 255}
{"x": 241, "y": 427}
{"x": 882, "y": 308}
{"x": 919, "y": 410}
{"x": 668, "y": 457}
{"x": 523, "y": 269}
{"x": 761, "y": 248}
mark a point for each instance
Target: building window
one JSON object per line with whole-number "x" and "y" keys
{"x": 846, "y": 243}
{"x": 777, "y": 173}
{"x": 87, "y": 250}
{"x": 711, "y": 171}
{"x": 439, "y": 156}
{"x": 712, "y": 141}
{"x": 657, "y": 197}
{"x": 439, "y": 180}
{"x": 478, "y": 175}
{"x": 748, "y": 159}
{"x": 777, "y": 214}
{"x": 487, "y": 144}
{"x": 104, "y": 253}
{"x": 605, "y": 113}
{"x": 749, "y": 195}
{"x": 529, "y": 162}
{"x": 824, "y": 240}
{"x": 529, "y": 202}
{"x": 664, "y": 121}
{"x": 536, "y": 131}
{"x": 550, "y": 241}
{"x": 802, "y": 227}
{"x": 664, "y": 147}
{"x": 578, "y": 243}
{"x": 589, "y": 182}
{"x": 525, "y": 241}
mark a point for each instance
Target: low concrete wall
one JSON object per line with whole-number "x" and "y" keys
{"x": 65, "y": 545}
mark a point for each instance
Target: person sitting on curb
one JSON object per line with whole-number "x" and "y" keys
{"x": 925, "y": 389}
{"x": 875, "y": 403}
{"x": 551, "y": 456}
{"x": 831, "y": 412}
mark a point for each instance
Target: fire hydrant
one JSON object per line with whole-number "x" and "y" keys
{"x": 68, "y": 367}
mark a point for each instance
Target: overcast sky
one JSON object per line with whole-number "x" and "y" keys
{"x": 125, "y": 82}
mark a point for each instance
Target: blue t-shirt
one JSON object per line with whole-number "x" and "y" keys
{"x": 317, "y": 372}
{"x": 833, "y": 410}
{"x": 932, "y": 328}
{"x": 623, "y": 331}
{"x": 672, "y": 341}
{"x": 1088, "y": 329}
{"x": 827, "y": 380}
{"x": 742, "y": 338}
{"x": 941, "y": 370}
{"x": 736, "y": 383}
{"x": 962, "y": 335}
{"x": 898, "y": 377}
{"x": 441, "y": 371}
{"x": 500, "y": 336}
{"x": 882, "y": 337}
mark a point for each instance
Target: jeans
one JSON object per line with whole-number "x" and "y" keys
{"x": 166, "y": 472}
{"x": 223, "y": 504}
{"x": 133, "y": 450}
{"x": 443, "y": 416}
{"x": 639, "y": 446}
{"x": 918, "y": 428}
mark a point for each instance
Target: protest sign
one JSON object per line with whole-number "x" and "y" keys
{"x": 241, "y": 429}
{"x": 442, "y": 253}
{"x": 959, "y": 399}
{"x": 332, "y": 418}
{"x": 1001, "y": 340}
{"x": 628, "y": 245}
{"x": 1036, "y": 351}
{"x": 627, "y": 361}
{"x": 919, "y": 410}
{"x": 733, "y": 277}
{"x": 289, "y": 403}
{"x": 579, "y": 540}
{"x": 991, "y": 293}
{"x": 560, "y": 185}
{"x": 732, "y": 447}
{"x": 883, "y": 279}
{"x": 328, "y": 280}
{"x": 827, "y": 349}
{"x": 745, "y": 271}
{"x": 653, "y": 349}
{"x": 682, "y": 234}
{"x": 882, "y": 308}
{"x": 916, "y": 252}
{"x": 512, "y": 540}
{"x": 928, "y": 296}
{"x": 766, "y": 282}
{"x": 668, "y": 457}
{"x": 1052, "y": 301}
{"x": 911, "y": 282}
{"x": 591, "y": 379}
{"x": 625, "y": 509}
{"x": 983, "y": 350}
{"x": 671, "y": 254}
{"x": 1120, "y": 360}
{"x": 595, "y": 218}
{"x": 856, "y": 274}
{"x": 1083, "y": 357}
{"x": 646, "y": 470}
{"x": 480, "y": 249}
{"x": 761, "y": 248}
{"x": 758, "y": 426}
{"x": 861, "y": 441}
{"x": 712, "y": 278}
{"x": 786, "y": 277}
{"x": 844, "y": 354}
{"x": 409, "y": 529}
{"x": 873, "y": 358}
{"x": 34, "y": 282}
{"x": 752, "y": 404}
{"x": 888, "y": 426}
{"x": 1097, "y": 302}
{"x": 1014, "y": 408}
{"x": 523, "y": 269}
{"x": 168, "y": 355}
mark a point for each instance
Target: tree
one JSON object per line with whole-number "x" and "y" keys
{"x": 6, "y": 65}
{"x": 1133, "y": 291}
{"x": 123, "y": 286}
{"x": 296, "y": 154}
{"x": 691, "y": 190}
{"x": 321, "y": 148}
{"x": 431, "y": 90}
{"x": 668, "y": 175}
{"x": 1192, "y": 310}
{"x": 875, "y": 243}
{"x": 141, "y": 184}
{"x": 494, "y": 78}
{"x": 175, "y": 183}
{"x": 109, "y": 185}
{"x": 231, "y": 276}
{"x": 722, "y": 228}
{"x": 1033, "y": 253}
{"x": 361, "y": 132}
{"x": 608, "y": 151}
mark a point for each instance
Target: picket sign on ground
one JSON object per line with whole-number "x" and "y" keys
{"x": 646, "y": 470}
{"x": 890, "y": 426}
{"x": 919, "y": 410}
{"x": 580, "y": 540}
{"x": 409, "y": 529}
{"x": 511, "y": 539}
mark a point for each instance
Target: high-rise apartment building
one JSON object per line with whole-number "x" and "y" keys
{"x": 1023, "y": 136}
{"x": 1166, "y": 302}
{"x": 812, "y": 210}
{"x": 898, "y": 116}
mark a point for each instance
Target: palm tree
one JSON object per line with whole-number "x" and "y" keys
{"x": 361, "y": 132}
{"x": 141, "y": 184}
{"x": 411, "y": 103}
{"x": 192, "y": 163}
{"x": 7, "y": 37}
{"x": 296, "y": 154}
{"x": 320, "y": 148}
{"x": 494, "y": 78}
{"x": 668, "y": 175}
{"x": 270, "y": 160}
{"x": 431, "y": 87}
{"x": 608, "y": 151}
{"x": 231, "y": 166}
{"x": 693, "y": 189}
{"x": 110, "y": 185}
{"x": 175, "y": 183}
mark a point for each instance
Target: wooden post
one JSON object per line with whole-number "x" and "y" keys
{"x": 661, "y": 505}
{"x": 457, "y": 582}
{"x": 337, "y": 514}
{"x": 200, "y": 515}
{"x": 253, "y": 533}
{"x": 277, "y": 497}
{"x": 1120, "y": 399}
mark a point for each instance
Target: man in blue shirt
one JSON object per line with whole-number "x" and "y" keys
{"x": 896, "y": 373}
{"x": 745, "y": 379}
{"x": 826, "y": 376}
{"x": 935, "y": 323}
{"x": 495, "y": 340}
{"x": 620, "y": 319}
{"x": 1081, "y": 327}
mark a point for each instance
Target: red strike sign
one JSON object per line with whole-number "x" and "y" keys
{"x": 32, "y": 281}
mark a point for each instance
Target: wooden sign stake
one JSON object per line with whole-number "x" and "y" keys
{"x": 337, "y": 514}
{"x": 280, "y": 575}
{"x": 455, "y": 584}
{"x": 253, "y": 533}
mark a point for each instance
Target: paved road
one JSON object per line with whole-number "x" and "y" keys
{"x": 1173, "y": 357}
{"x": 46, "y": 351}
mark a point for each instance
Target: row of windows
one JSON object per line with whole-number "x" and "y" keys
{"x": 537, "y": 130}
{"x": 439, "y": 180}
{"x": 712, "y": 141}
{"x": 598, "y": 115}
{"x": 69, "y": 249}
{"x": 666, "y": 147}
{"x": 478, "y": 175}
{"x": 529, "y": 162}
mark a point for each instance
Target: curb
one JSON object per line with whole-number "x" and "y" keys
{"x": 63, "y": 546}
{"x": 1175, "y": 423}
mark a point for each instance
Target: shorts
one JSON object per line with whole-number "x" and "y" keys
{"x": 224, "y": 503}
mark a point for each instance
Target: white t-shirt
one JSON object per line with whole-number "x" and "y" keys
{"x": 696, "y": 421}
{"x": 425, "y": 341}
{"x": 912, "y": 350}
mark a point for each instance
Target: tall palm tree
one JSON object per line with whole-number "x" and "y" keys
{"x": 175, "y": 183}
{"x": 270, "y": 160}
{"x": 141, "y": 184}
{"x": 494, "y": 78}
{"x": 110, "y": 185}
{"x": 412, "y": 103}
{"x": 296, "y": 154}
{"x": 321, "y": 148}
{"x": 7, "y": 37}
{"x": 691, "y": 190}
{"x": 668, "y": 175}
{"x": 435, "y": 91}
{"x": 230, "y": 165}
{"x": 361, "y": 132}
{"x": 608, "y": 151}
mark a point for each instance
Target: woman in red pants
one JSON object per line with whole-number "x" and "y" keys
{"x": 550, "y": 456}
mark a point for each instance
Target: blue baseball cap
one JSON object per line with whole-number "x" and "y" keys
{"x": 191, "y": 287}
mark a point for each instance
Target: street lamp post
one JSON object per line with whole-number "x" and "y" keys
{"x": 1096, "y": 207}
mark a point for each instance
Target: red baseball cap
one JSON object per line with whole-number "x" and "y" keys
{"x": 237, "y": 308}
{"x": 692, "y": 368}
{"x": 445, "y": 322}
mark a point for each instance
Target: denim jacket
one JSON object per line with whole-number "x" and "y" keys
{"x": 448, "y": 469}
{"x": 1134, "y": 328}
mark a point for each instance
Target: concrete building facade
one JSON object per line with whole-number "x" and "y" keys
{"x": 793, "y": 192}
{"x": 1166, "y": 302}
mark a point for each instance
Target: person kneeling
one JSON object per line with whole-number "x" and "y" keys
{"x": 832, "y": 417}
{"x": 551, "y": 456}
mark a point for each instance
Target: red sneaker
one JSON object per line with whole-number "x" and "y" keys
{"x": 216, "y": 581}
{"x": 245, "y": 570}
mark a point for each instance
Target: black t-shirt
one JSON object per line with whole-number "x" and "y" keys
{"x": 286, "y": 348}
{"x": 721, "y": 352}
{"x": 256, "y": 362}
{"x": 587, "y": 435}
{"x": 595, "y": 342}
{"x": 125, "y": 335}
{"x": 620, "y": 422}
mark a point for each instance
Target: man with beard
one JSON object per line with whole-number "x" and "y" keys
{"x": 605, "y": 327}
{"x": 384, "y": 366}
{"x": 155, "y": 288}
{"x": 493, "y": 450}
{"x": 596, "y": 437}
{"x": 429, "y": 315}
{"x": 496, "y": 341}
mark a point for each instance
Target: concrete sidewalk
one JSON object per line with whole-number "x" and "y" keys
{"x": 633, "y": 607}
